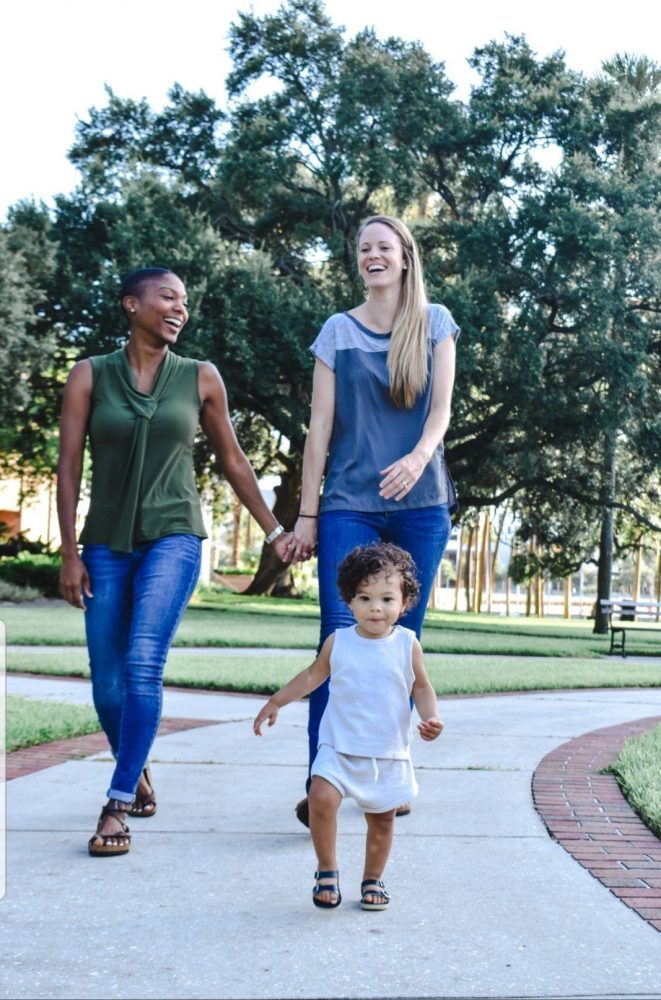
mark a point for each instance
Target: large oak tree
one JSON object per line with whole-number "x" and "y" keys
{"x": 534, "y": 205}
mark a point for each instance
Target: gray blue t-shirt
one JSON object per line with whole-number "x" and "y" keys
{"x": 369, "y": 431}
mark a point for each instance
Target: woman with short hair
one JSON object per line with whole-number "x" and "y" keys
{"x": 141, "y": 407}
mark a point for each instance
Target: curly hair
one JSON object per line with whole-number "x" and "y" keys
{"x": 377, "y": 557}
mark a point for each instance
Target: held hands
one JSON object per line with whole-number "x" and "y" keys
{"x": 400, "y": 477}
{"x": 270, "y": 713}
{"x": 303, "y": 539}
{"x": 282, "y": 545}
{"x": 430, "y": 729}
{"x": 74, "y": 581}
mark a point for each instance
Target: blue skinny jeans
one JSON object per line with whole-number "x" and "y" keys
{"x": 139, "y": 599}
{"x": 422, "y": 532}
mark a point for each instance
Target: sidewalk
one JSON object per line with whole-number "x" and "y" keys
{"x": 214, "y": 900}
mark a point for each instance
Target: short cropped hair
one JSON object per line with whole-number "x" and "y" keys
{"x": 377, "y": 557}
{"x": 132, "y": 283}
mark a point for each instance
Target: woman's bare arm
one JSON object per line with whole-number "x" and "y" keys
{"x": 322, "y": 414}
{"x": 76, "y": 403}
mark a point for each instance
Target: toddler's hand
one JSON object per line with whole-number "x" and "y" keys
{"x": 430, "y": 729}
{"x": 270, "y": 712}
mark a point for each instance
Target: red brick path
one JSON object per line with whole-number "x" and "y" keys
{"x": 22, "y": 762}
{"x": 587, "y": 814}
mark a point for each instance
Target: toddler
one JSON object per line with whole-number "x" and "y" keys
{"x": 375, "y": 668}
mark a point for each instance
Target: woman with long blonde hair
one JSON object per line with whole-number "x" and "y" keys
{"x": 382, "y": 388}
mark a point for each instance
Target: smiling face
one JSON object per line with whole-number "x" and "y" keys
{"x": 158, "y": 308}
{"x": 378, "y": 604}
{"x": 380, "y": 256}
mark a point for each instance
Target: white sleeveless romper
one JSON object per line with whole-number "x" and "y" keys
{"x": 365, "y": 731}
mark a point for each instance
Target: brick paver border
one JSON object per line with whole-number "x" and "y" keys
{"x": 587, "y": 814}
{"x": 18, "y": 763}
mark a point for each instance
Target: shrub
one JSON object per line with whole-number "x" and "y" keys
{"x": 39, "y": 571}
{"x": 12, "y": 592}
{"x": 12, "y": 545}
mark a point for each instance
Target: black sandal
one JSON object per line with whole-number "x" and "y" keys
{"x": 144, "y": 805}
{"x": 380, "y": 892}
{"x": 334, "y": 887}
{"x": 117, "y": 810}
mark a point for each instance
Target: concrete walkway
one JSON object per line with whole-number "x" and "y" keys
{"x": 214, "y": 899}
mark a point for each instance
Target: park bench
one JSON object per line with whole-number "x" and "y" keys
{"x": 627, "y": 615}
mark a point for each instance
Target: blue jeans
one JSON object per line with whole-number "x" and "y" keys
{"x": 139, "y": 599}
{"x": 422, "y": 532}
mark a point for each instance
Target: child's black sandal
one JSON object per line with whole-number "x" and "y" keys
{"x": 334, "y": 887}
{"x": 378, "y": 890}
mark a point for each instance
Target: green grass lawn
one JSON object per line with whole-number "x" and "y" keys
{"x": 638, "y": 773}
{"x": 30, "y": 722}
{"x": 269, "y": 622}
{"x": 497, "y": 655}
{"x": 460, "y": 675}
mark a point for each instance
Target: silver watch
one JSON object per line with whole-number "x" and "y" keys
{"x": 278, "y": 530}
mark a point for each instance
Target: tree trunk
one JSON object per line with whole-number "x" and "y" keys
{"x": 605, "y": 569}
{"x": 483, "y": 563}
{"x": 479, "y": 562}
{"x": 496, "y": 546}
{"x": 467, "y": 568}
{"x": 539, "y": 594}
{"x": 460, "y": 567}
{"x": 487, "y": 563}
{"x": 237, "y": 507}
{"x": 566, "y": 603}
{"x": 638, "y": 560}
{"x": 529, "y": 583}
{"x": 51, "y": 509}
{"x": 273, "y": 576}
{"x": 431, "y": 603}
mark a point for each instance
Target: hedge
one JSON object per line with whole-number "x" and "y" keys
{"x": 41, "y": 572}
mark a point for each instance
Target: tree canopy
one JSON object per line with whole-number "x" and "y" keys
{"x": 534, "y": 202}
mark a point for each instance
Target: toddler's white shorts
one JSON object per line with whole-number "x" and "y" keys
{"x": 377, "y": 784}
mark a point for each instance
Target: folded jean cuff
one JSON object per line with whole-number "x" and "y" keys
{"x": 114, "y": 793}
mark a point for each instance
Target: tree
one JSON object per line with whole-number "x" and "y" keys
{"x": 547, "y": 268}
{"x": 567, "y": 254}
{"x": 27, "y": 343}
{"x": 264, "y": 197}
{"x": 630, "y": 154}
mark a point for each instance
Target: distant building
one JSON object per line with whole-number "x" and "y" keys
{"x": 34, "y": 516}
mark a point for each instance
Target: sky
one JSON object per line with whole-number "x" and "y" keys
{"x": 58, "y": 56}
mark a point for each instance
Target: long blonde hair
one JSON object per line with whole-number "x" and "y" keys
{"x": 408, "y": 354}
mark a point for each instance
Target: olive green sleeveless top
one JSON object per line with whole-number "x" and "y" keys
{"x": 143, "y": 486}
